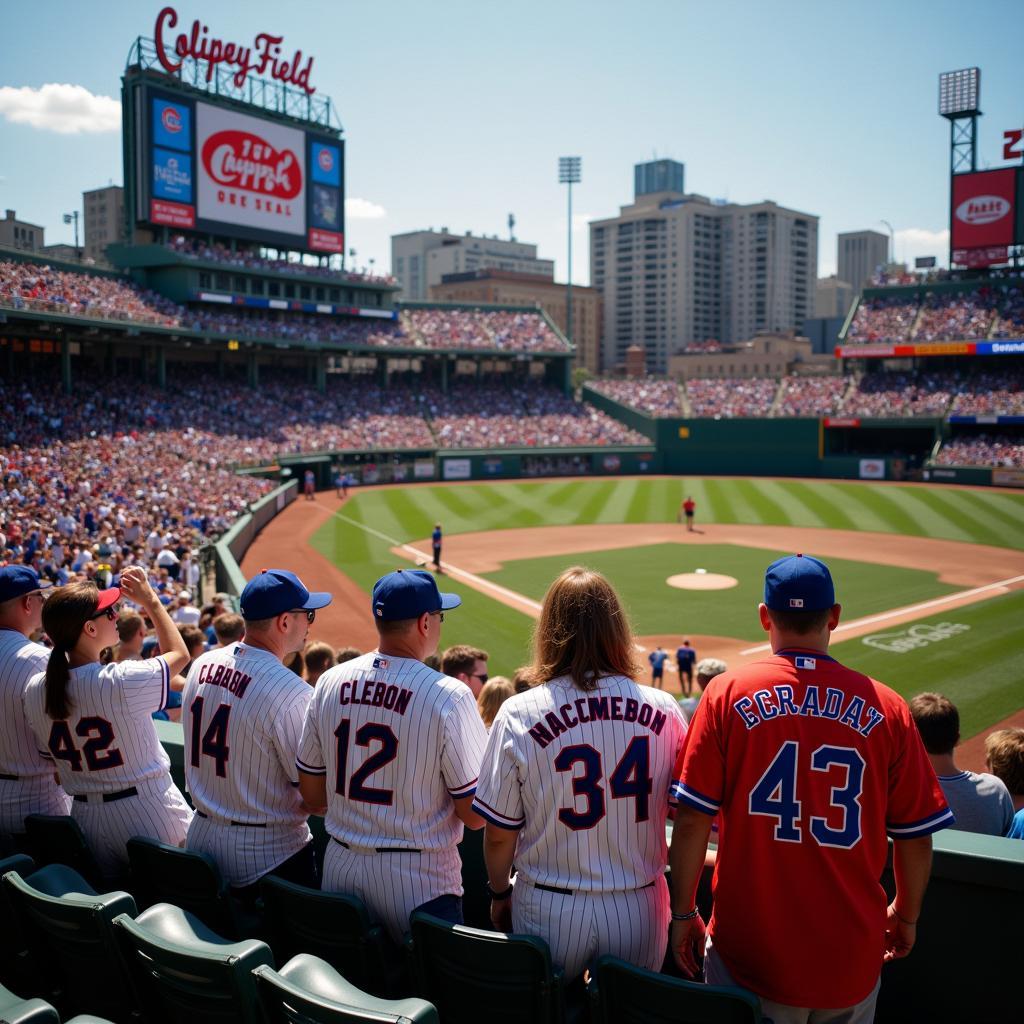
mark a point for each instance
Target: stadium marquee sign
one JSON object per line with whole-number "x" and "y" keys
{"x": 263, "y": 57}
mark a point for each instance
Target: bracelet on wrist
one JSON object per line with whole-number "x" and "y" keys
{"x": 686, "y": 917}
{"x": 900, "y": 917}
{"x": 503, "y": 895}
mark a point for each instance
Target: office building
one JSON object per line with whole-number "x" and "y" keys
{"x": 832, "y": 297}
{"x": 420, "y": 259}
{"x": 104, "y": 220}
{"x": 676, "y": 271}
{"x": 658, "y": 176}
{"x": 20, "y": 234}
{"x": 859, "y": 254}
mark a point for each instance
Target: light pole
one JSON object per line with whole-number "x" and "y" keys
{"x": 569, "y": 174}
{"x": 68, "y": 218}
{"x": 892, "y": 241}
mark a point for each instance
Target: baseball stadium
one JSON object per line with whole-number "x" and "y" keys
{"x": 221, "y": 396}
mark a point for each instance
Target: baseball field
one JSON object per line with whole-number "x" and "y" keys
{"x": 931, "y": 580}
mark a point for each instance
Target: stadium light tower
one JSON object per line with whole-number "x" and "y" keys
{"x": 959, "y": 103}
{"x": 569, "y": 174}
{"x": 68, "y": 218}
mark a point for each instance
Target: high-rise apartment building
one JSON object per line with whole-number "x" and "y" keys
{"x": 420, "y": 259}
{"x": 658, "y": 176}
{"x": 104, "y": 219}
{"x": 859, "y": 255}
{"x": 677, "y": 270}
{"x": 833, "y": 297}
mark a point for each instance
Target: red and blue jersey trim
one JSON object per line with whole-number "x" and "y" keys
{"x": 496, "y": 817}
{"x": 309, "y": 769}
{"x": 683, "y": 793}
{"x": 466, "y": 789}
{"x": 923, "y": 827}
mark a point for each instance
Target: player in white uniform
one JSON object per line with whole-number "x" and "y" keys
{"x": 242, "y": 717}
{"x": 95, "y": 721}
{"x": 392, "y": 749}
{"x": 26, "y": 779}
{"x": 574, "y": 786}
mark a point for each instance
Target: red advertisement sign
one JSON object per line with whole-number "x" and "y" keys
{"x": 326, "y": 241}
{"x": 175, "y": 215}
{"x": 981, "y": 257}
{"x": 982, "y": 212}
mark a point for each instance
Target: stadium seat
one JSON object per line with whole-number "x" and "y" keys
{"x": 461, "y": 969}
{"x": 187, "y": 879}
{"x": 190, "y": 973}
{"x": 68, "y": 926}
{"x": 308, "y": 989}
{"x": 15, "y": 1010}
{"x": 59, "y": 839}
{"x": 15, "y": 963}
{"x": 334, "y": 927}
{"x": 623, "y": 994}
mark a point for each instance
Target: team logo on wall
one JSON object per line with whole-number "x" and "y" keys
{"x": 983, "y": 209}
{"x": 171, "y": 120}
{"x": 325, "y": 159}
{"x": 242, "y": 160}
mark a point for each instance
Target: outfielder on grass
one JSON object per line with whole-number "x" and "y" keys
{"x": 808, "y": 766}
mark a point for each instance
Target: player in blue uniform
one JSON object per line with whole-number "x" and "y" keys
{"x": 657, "y": 659}
{"x": 686, "y": 657}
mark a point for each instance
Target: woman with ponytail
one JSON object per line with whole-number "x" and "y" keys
{"x": 94, "y": 721}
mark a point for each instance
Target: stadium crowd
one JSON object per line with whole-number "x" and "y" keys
{"x": 648, "y": 395}
{"x": 727, "y": 398}
{"x": 812, "y": 396}
{"x": 998, "y": 450}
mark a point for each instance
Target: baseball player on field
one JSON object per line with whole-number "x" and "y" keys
{"x": 95, "y": 721}
{"x": 574, "y": 788}
{"x": 809, "y": 766}
{"x": 242, "y": 718}
{"x": 26, "y": 778}
{"x": 392, "y": 748}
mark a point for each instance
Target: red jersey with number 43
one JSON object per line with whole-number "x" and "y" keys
{"x": 811, "y": 766}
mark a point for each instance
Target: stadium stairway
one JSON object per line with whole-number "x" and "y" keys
{"x": 684, "y": 400}
{"x": 780, "y": 391}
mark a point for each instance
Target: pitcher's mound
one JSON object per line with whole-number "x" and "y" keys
{"x": 701, "y": 580}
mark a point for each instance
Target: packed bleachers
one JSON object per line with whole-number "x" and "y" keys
{"x": 901, "y": 394}
{"x": 999, "y": 450}
{"x": 947, "y": 317}
{"x": 883, "y": 320}
{"x": 648, "y": 395}
{"x": 215, "y": 252}
{"x": 1011, "y": 314}
{"x": 727, "y": 398}
{"x": 499, "y": 330}
{"x": 812, "y": 396}
{"x": 990, "y": 394}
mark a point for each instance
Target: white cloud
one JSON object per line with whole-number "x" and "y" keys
{"x": 363, "y": 209}
{"x": 914, "y": 242}
{"x": 63, "y": 108}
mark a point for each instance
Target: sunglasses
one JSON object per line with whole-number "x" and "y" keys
{"x": 111, "y": 613}
{"x": 440, "y": 615}
{"x": 310, "y": 613}
{"x": 482, "y": 676}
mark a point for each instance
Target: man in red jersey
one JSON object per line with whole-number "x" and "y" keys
{"x": 809, "y": 766}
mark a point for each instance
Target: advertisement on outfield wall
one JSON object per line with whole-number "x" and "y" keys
{"x": 214, "y": 169}
{"x": 872, "y": 469}
{"x": 456, "y": 469}
{"x": 982, "y": 214}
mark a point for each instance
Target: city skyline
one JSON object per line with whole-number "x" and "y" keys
{"x": 456, "y": 116}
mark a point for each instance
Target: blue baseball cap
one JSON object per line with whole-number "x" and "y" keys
{"x": 19, "y": 580}
{"x": 798, "y": 583}
{"x": 275, "y": 591}
{"x": 407, "y": 594}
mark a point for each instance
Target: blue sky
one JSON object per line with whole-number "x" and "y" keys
{"x": 455, "y": 112}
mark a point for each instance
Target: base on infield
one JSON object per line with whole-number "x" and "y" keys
{"x": 702, "y": 580}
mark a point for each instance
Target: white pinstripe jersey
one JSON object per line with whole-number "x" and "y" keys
{"x": 584, "y": 777}
{"x": 108, "y": 742}
{"x": 242, "y": 714}
{"x": 397, "y": 742}
{"x": 20, "y": 660}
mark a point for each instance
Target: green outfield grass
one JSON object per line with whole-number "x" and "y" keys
{"x": 981, "y": 671}
{"x": 358, "y": 541}
{"x": 639, "y": 575}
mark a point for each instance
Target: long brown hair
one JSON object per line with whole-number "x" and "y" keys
{"x": 582, "y": 631}
{"x": 66, "y": 611}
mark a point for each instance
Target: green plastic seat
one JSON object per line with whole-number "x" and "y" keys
{"x": 59, "y": 839}
{"x": 623, "y": 994}
{"x": 15, "y": 962}
{"x": 15, "y": 1010}
{"x": 334, "y": 927}
{"x": 470, "y": 974}
{"x": 69, "y": 930}
{"x": 185, "y": 878}
{"x": 308, "y": 990}
{"x": 184, "y": 973}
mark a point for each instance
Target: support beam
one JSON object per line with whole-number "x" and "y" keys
{"x": 321, "y": 373}
{"x": 253, "y": 370}
{"x": 65, "y": 365}
{"x": 161, "y": 368}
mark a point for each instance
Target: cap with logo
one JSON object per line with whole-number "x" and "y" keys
{"x": 798, "y": 583}
{"x": 407, "y": 594}
{"x": 275, "y": 591}
{"x": 19, "y": 580}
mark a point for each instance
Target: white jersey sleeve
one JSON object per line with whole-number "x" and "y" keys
{"x": 286, "y": 732}
{"x": 499, "y": 793}
{"x": 20, "y": 660}
{"x": 464, "y": 741}
{"x": 310, "y": 755}
{"x": 144, "y": 685}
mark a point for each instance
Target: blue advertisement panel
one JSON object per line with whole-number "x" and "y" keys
{"x": 326, "y": 165}
{"x": 326, "y": 208}
{"x": 172, "y": 176}
{"x": 1000, "y": 348}
{"x": 172, "y": 125}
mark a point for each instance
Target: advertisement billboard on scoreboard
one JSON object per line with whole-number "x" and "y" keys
{"x": 210, "y": 167}
{"x": 983, "y": 209}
